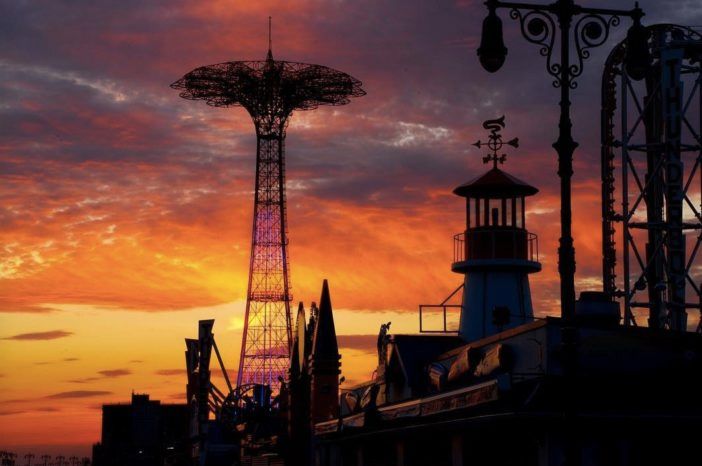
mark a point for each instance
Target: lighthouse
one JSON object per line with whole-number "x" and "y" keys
{"x": 496, "y": 253}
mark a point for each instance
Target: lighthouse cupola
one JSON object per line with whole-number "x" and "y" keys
{"x": 496, "y": 252}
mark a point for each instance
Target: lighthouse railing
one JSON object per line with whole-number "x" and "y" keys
{"x": 441, "y": 318}
{"x": 494, "y": 243}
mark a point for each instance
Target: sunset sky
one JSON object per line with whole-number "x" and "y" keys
{"x": 125, "y": 211}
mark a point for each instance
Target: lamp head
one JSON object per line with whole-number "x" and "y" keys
{"x": 638, "y": 56}
{"x": 492, "y": 50}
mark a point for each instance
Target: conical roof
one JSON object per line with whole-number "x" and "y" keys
{"x": 297, "y": 356}
{"x": 324, "y": 344}
{"x": 495, "y": 184}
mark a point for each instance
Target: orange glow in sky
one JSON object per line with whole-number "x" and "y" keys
{"x": 125, "y": 211}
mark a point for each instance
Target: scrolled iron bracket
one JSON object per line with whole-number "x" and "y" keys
{"x": 590, "y": 31}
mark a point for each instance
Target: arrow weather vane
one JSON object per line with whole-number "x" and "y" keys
{"x": 494, "y": 142}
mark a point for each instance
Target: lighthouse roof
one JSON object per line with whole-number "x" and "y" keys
{"x": 495, "y": 184}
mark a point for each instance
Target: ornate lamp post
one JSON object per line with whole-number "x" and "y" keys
{"x": 580, "y": 29}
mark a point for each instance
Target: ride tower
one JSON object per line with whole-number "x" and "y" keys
{"x": 270, "y": 90}
{"x": 651, "y": 154}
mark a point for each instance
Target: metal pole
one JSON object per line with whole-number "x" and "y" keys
{"x": 628, "y": 317}
{"x": 565, "y": 146}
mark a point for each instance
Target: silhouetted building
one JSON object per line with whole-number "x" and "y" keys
{"x": 143, "y": 433}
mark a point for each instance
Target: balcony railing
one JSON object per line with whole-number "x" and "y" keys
{"x": 496, "y": 243}
{"x": 440, "y": 318}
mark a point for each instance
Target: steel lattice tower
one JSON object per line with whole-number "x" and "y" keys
{"x": 270, "y": 91}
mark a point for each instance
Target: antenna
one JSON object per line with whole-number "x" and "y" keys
{"x": 270, "y": 47}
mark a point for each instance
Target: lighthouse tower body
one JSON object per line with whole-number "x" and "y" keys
{"x": 496, "y": 254}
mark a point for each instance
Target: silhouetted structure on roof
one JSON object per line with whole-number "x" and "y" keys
{"x": 270, "y": 90}
{"x": 143, "y": 433}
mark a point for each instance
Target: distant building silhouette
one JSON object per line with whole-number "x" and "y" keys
{"x": 142, "y": 433}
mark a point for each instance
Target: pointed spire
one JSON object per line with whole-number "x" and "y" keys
{"x": 270, "y": 41}
{"x": 324, "y": 344}
{"x": 310, "y": 329}
{"x": 297, "y": 355}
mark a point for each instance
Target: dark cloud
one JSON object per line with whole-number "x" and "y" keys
{"x": 38, "y": 409}
{"x": 104, "y": 374}
{"x": 84, "y": 380}
{"x": 47, "y": 409}
{"x": 109, "y": 373}
{"x": 44, "y": 363}
{"x": 78, "y": 394}
{"x": 170, "y": 372}
{"x": 50, "y": 335}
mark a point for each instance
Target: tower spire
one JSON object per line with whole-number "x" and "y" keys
{"x": 270, "y": 40}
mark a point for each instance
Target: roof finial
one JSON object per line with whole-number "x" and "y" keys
{"x": 495, "y": 141}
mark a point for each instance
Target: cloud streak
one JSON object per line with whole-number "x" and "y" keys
{"x": 77, "y": 394}
{"x": 103, "y": 374}
{"x": 365, "y": 343}
{"x": 40, "y": 336}
{"x": 110, "y": 373}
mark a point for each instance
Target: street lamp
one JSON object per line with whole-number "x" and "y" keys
{"x": 587, "y": 28}
{"x": 492, "y": 50}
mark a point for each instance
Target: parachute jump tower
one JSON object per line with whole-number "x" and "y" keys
{"x": 270, "y": 90}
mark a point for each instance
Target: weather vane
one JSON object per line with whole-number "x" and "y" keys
{"x": 494, "y": 142}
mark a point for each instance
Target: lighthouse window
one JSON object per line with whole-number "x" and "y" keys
{"x": 520, "y": 212}
{"x": 509, "y": 209}
{"x": 476, "y": 220}
{"x": 495, "y": 205}
{"x": 486, "y": 209}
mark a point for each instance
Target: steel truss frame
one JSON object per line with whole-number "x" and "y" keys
{"x": 270, "y": 91}
{"x": 651, "y": 145}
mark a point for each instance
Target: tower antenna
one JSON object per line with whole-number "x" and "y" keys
{"x": 270, "y": 42}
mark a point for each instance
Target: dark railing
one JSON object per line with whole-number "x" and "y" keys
{"x": 441, "y": 311}
{"x": 447, "y": 323}
{"x": 495, "y": 243}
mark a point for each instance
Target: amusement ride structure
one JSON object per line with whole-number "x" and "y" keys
{"x": 270, "y": 90}
{"x": 651, "y": 155}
